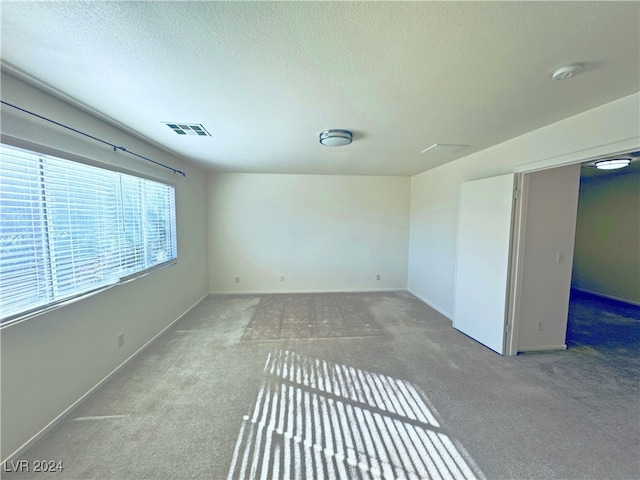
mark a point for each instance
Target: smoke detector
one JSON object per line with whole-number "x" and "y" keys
{"x": 567, "y": 71}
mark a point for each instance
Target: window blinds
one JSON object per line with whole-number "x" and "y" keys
{"x": 67, "y": 229}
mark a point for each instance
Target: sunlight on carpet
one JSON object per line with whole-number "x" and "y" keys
{"x": 315, "y": 419}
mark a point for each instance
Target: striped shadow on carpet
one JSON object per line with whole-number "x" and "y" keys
{"x": 314, "y": 419}
{"x": 318, "y": 315}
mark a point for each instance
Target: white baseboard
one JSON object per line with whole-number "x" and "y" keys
{"x": 427, "y": 302}
{"x": 610, "y": 297}
{"x": 275, "y": 292}
{"x": 25, "y": 446}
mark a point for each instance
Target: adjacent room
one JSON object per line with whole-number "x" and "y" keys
{"x": 319, "y": 240}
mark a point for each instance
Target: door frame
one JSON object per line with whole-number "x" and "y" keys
{"x": 518, "y": 231}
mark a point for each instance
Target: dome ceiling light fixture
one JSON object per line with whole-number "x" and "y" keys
{"x": 336, "y": 138}
{"x": 612, "y": 164}
{"x": 564, "y": 72}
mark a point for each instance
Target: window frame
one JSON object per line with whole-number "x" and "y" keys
{"x": 38, "y": 149}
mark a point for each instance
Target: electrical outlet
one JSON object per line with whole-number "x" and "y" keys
{"x": 120, "y": 340}
{"x": 540, "y": 325}
{"x": 378, "y": 277}
{"x": 237, "y": 279}
{"x": 282, "y": 278}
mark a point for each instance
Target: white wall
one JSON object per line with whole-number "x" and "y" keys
{"x": 551, "y": 202}
{"x": 434, "y": 194}
{"x": 321, "y": 232}
{"x": 52, "y": 360}
{"x": 607, "y": 255}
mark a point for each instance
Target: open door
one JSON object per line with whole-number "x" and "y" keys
{"x": 482, "y": 261}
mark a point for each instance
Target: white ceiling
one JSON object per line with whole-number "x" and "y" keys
{"x": 266, "y": 78}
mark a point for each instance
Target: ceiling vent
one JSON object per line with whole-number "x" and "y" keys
{"x": 443, "y": 148}
{"x": 188, "y": 129}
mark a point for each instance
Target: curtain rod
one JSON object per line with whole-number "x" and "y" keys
{"x": 115, "y": 147}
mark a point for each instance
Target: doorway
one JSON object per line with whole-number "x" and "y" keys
{"x": 558, "y": 233}
{"x": 604, "y": 308}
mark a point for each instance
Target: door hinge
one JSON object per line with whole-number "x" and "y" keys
{"x": 516, "y": 194}
{"x": 507, "y": 327}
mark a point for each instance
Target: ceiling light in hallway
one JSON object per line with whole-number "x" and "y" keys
{"x": 613, "y": 164}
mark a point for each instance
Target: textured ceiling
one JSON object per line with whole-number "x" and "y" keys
{"x": 266, "y": 78}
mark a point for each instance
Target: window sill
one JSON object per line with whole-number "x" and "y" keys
{"x": 22, "y": 317}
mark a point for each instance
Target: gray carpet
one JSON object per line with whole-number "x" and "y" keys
{"x": 211, "y": 399}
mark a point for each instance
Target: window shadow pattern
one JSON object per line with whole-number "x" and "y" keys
{"x": 315, "y": 419}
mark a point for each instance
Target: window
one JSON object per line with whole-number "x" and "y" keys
{"x": 67, "y": 229}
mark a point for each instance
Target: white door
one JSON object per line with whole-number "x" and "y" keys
{"x": 482, "y": 262}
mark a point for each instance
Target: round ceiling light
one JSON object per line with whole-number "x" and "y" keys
{"x": 566, "y": 71}
{"x": 336, "y": 138}
{"x": 612, "y": 164}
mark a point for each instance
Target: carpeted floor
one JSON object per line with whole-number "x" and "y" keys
{"x": 244, "y": 387}
{"x": 607, "y": 325}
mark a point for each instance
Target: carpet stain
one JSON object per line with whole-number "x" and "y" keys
{"x": 317, "y": 315}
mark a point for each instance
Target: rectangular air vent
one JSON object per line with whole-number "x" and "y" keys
{"x": 444, "y": 148}
{"x": 188, "y": 129}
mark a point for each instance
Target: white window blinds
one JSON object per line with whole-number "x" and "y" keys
{"x": 67, "y": 229}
